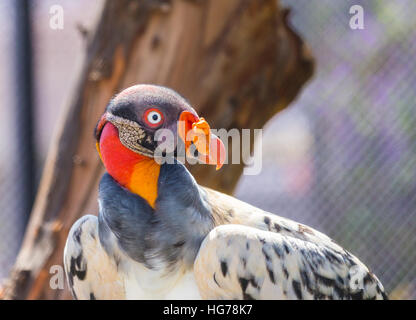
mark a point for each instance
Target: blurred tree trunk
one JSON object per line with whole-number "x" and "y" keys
{"x": 237, "y": 61}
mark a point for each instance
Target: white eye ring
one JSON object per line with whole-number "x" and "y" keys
{"x": 154, "y": 117}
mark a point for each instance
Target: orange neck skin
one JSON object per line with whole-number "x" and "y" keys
{"x": 137, "y": 173}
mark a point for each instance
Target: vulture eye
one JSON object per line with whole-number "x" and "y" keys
{"x": 153, "y": 117}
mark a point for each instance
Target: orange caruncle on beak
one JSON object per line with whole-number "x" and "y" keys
{"x": 201, "y": 135}
{"x": 193, "y": 129}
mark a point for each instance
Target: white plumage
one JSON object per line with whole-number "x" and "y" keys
{"x": 251, "y": 254}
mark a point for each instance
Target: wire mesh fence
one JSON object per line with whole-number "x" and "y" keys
{"x": 343, "y": 157}
{"x": 14, "y": 182}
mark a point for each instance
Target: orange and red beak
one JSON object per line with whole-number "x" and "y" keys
{"x": 192, "y": 129}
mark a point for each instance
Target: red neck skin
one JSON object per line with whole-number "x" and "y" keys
{"x": 118, "y": 160}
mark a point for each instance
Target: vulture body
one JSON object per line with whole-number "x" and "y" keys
{"x": 159, "y": 235}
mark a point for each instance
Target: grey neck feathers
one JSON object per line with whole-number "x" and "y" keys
{"x": 159, "y": 238}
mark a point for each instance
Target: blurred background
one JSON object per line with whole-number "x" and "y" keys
{"x": 341, "y": 158}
